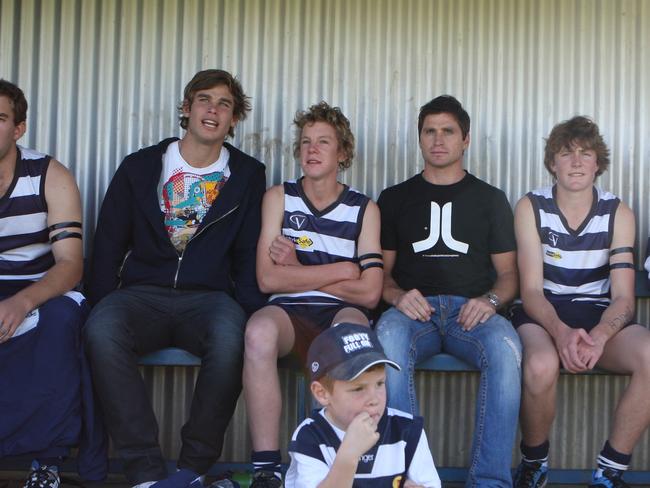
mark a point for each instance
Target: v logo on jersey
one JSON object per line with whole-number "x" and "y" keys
{"x": 298, "y": 220}
{"x": 440, "y": 224}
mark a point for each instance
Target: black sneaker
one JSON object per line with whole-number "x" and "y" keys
{"x": 42, "y": 477}
{"x": 611, "y": 478}
{"x": 265, "y": 479}
{"x": 530, "y": 475}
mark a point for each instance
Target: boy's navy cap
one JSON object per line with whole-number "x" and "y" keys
{"x": 344, "y": 351}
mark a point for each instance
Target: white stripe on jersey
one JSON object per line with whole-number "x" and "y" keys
{"x": 575, "y": 259}
{"x": 600, "y": 287}
{"x": 340, "y": 213}
{"x": 27, "y": 153}
{"x": 32, "y": 277}
{"x": 25, "y": 224}
{"x": 26, "y": 253}
{"x": 312, "y": 293}
{"x": 26, "y": 185}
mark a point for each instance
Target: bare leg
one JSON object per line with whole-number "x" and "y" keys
{"x": 629, "y": 352}
{"x": 541, "y": 369}
{"x": 269, "y": 335}
{"x": 350, "y": 315}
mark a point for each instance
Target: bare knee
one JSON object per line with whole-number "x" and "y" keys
{"x": 261, "y": 338}
{"x": 541, "y": 371}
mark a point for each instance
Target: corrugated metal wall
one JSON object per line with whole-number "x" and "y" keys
{"x": 103, "y": 77}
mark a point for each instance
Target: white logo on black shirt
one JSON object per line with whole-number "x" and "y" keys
{"x": 440, "y": 226}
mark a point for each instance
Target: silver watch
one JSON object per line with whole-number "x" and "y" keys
{"x": 493, "y": 299}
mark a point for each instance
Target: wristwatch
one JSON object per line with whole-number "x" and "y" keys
{"x": 493, "y": 299}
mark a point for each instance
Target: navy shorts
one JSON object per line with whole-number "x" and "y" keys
{"x": 576, "y": 314}
{"x": 310, "y": 319}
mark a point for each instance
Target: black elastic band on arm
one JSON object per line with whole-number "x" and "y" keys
{"x": 620, "y": 250}
{"x": 65, "y": 235}
{"x": 370, "y": 255}
{"x": 374, "y": 264}
{"x": 621, "y": 266}
{"x": 61, "y": 225}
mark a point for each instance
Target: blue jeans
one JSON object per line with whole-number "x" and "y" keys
{"x": 136, "y": 320}
{"x": 493, "y": 347}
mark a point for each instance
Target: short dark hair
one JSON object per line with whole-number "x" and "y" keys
{"x": 448, "y": 105}
{"x": 323, "y": 112}
{"x": 16, "y": 98}
{"x": 580, "y": 130}
{"x": 210, "y": 78}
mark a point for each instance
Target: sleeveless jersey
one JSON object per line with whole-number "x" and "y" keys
{"x": 322, "y": 236}
{"x": 25, "y": 249}
{"x": 576, "y": 262}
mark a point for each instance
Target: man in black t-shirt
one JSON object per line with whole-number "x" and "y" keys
{"x": 450, "y": 264}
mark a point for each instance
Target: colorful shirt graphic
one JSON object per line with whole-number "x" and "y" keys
{"x": 186, "y": 194}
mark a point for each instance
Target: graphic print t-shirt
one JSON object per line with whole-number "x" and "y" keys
{"x": 186, "y": 193}
{"x": 444, "y": 234}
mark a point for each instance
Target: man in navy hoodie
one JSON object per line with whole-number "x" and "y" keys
{"x": 174, "y": 265}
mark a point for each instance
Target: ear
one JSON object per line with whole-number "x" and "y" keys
{"x": 320, "y": 393}
{"x": 20, "y": 130}
{"x": 186, "y": 108}
{"x": 466, "y": 142}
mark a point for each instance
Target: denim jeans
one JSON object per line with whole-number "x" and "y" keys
{"x": 137, "y": 320}
{"x": 493, "y": 347}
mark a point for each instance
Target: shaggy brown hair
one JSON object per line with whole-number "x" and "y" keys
{"x": 578, "y": 130}
{"x": 210, "y": 78}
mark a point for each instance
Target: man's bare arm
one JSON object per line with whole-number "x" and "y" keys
{"x": 278, "y": 269}
{"x": 621, "y": 308}
{"x": 365, "y": 291}
{"x": 479, "y": 309}
{"x": 64, "y": 205}
{"x": 410, "y": 302}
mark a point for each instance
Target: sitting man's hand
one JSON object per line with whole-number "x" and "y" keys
{"x": 412, "y": 304}
{"x": 12, "y": 313}
{"x": 283, "y": 251}
{"x": 570, "y": 344}
{"x": 476, "y": 310}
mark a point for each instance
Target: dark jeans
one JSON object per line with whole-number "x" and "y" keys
{"x": 140, "y": 319}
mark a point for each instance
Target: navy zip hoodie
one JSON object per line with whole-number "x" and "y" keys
{"x": 132, "y": 246}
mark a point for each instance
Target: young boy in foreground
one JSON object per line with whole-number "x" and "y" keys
{"x": 354, "y": 440}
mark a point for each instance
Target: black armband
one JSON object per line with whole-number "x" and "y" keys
{"x": 65, "y": 235}
{"x": 370, "y": 255}
{"x": 620, "y": 250}
{"x": 61, "y": 225}
{"x": 621, "y": 266}
{"x": 374, "y": 264}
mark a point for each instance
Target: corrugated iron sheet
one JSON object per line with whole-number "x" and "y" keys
{"x": 103, "y": 78}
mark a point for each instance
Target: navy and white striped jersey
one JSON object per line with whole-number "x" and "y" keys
{"x": 25, "y": 249}
{"x": 321, "y": 236}
{"x": 401, "y": 452}
{"x": 576, "y": 262}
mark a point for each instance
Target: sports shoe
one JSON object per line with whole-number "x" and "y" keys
{"x": 264, "y": 479}
{"x": 225, "y": 483}
{"x": 530, "y": 475}
{"x": 611, "y": 478}
{"x": 42, "y": 477}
